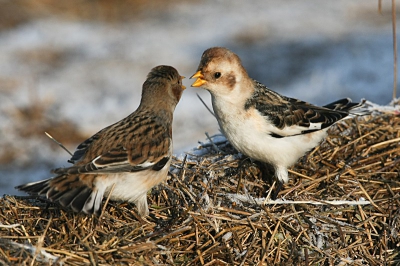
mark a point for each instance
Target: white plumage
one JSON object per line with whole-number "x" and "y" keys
{"x": 259, "y": 122}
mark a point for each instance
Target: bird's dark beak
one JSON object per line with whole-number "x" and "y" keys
{"x": 200, "y": 79}
{"x": 183, "y": 87}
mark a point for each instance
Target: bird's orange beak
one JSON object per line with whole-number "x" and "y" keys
{"x": 200, "y": 79}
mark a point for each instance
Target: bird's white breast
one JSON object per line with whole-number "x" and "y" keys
{"x": 249, "y": 132}
{"x": 129, "y": 186}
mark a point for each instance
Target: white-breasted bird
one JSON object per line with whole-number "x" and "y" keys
{"x": 259, "y": 122}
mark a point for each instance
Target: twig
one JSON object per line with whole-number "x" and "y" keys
{"x": 371, "y": 201}
{"x": 394, "y": 49}
{"x": 213, "y": 144}
{"x": 337, "y": 222}
{"x": 39, "y": 245}
{"x": 211, "y": 112}
{"x": 107, "y": 200}
{"x": 253, "y": 241}
{"x": 176, "y": 232}
{"x": 206, "y": 145}
{"x": 268, "y": 198}
{"x": 380, "y": 144}
{"x": 261, "y": 201}
{"x": 182, "y": 171}
{"x": 43, "y": 255}
{"x": 9, "y": 226}
{"x": 59, "y": 143}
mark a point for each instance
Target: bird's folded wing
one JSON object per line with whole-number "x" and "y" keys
{"x": 289, "y": 116}
{"x": 82, "y": 148}
{"x": 153, "y": 155}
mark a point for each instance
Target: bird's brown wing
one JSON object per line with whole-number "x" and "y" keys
{"x": 127, "y": 146}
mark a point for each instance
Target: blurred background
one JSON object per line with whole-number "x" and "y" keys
{"x": 72, "y": 67}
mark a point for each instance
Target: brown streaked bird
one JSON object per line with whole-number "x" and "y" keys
{"x": 130, "y": 156}
{"x": 259, "y": 122}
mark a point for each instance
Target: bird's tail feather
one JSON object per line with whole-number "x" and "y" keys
{"x": 35, "y": 188}
{"x": 347, "y": 105}
{"x": 71, "y": 194}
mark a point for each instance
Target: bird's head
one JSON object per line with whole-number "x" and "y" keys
{"x": 220, "y": 72}
{"x": 163, "y": 87}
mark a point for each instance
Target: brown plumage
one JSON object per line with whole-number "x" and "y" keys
{"x": 133, "y": 155}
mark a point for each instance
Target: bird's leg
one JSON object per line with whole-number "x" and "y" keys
{"x": 267, "y": 172}
{"x": 277, "y": 190}
{"x": 267, "y": 175}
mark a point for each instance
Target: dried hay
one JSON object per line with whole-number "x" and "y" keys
{"x": 212, "y": 211}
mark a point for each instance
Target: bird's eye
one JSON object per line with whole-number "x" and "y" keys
{"x": 217, "y": 75}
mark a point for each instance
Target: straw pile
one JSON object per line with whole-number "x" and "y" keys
{"x": 341, "y": 207}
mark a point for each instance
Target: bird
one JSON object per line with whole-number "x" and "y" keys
{"x": 126, "y": 158}
{"x": 260, "y": 123}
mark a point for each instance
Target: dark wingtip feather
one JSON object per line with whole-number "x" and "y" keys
{"x": 160, "y": 164}
{"x": 75, "y": 198}
{"x": 80, "y": 199}
{"x": 35, "y": 188}
{"x": 344, "y": 104}
{"x": 59, "y": 171}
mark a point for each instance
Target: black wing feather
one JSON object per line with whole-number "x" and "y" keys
{"x": 285, "y": 112}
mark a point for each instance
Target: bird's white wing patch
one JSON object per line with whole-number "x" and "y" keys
{"x": 287, "y": 131}
{"x": 109, "y": 166}
{"x": 315, "y": 126}
{"x": 145, "y": 164}
{"x": 97, "y": 165}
